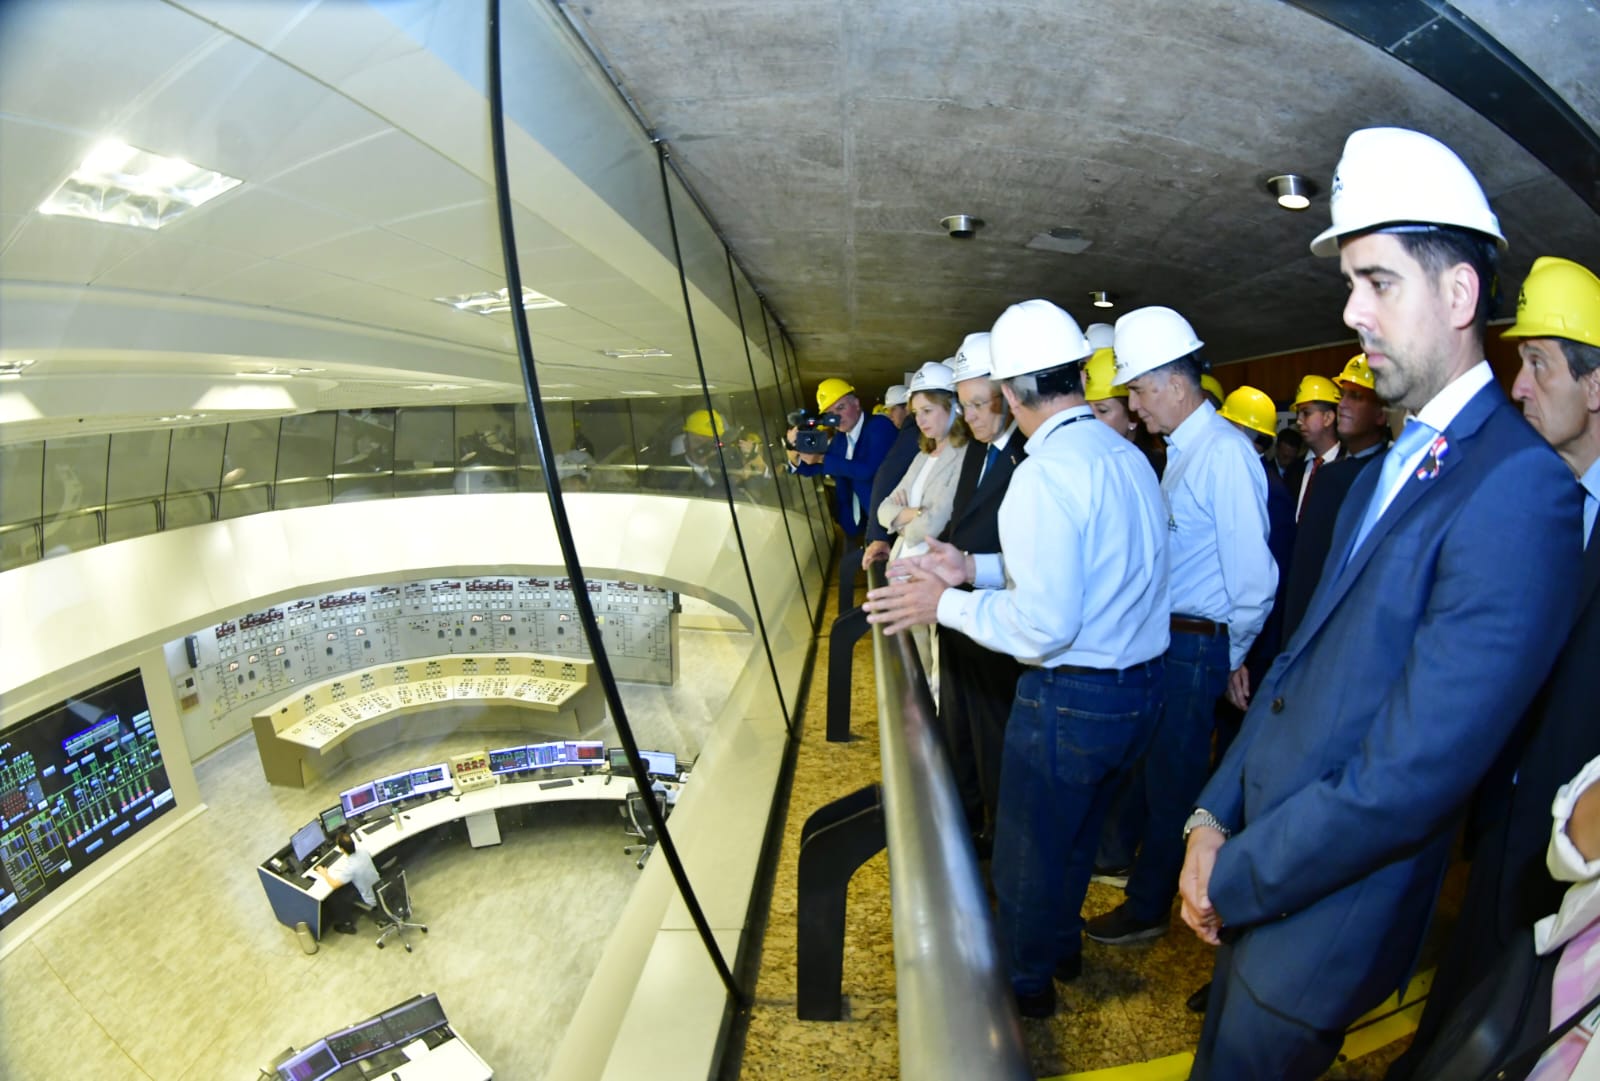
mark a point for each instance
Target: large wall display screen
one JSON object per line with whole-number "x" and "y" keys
{"x": 76, "y": 781}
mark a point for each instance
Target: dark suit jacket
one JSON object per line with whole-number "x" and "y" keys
{"x": 901, "y": 453}
{"x": 975, "y": 512}
{"x": 853, "y": 475}
{"x": 1383, "y": 712}
{"x": 1315, "y": 533}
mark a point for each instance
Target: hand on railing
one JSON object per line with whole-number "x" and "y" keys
{"x": 915, "y": 586}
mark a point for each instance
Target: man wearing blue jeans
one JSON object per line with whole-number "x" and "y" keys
{"x": 1078, "y": 594}
{"x": 1223, "y": 582}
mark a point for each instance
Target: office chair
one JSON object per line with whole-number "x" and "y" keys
{"x": 640, "y": 826}
{"x": 394, "y": 909}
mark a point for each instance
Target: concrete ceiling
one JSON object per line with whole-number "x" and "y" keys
{"x": 829, "y": 137}
{"x": 825, "y": 138}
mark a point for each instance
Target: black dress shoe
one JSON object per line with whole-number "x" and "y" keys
{"x": 1198, "y": 1001}
{"x": 1069, "y": 968}
{"x": 345, "y": 928}
{"x": 1039, "y": 1004}
{"x": 1119, "y": 928}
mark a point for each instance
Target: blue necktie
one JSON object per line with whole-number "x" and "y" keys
{"x": 988, "y": 460}
{"x": 1412, "y": 439}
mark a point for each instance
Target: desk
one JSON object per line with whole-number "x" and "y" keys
{"x": 299, "y": 735}
{"x": 298, "y": 899}
{"x": 412, "y": 1042}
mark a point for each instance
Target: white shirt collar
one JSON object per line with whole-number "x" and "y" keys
{"x": 1193, "y": 425}
{"x": 1443, "y": 408}
{"x": 1004, "y": 437}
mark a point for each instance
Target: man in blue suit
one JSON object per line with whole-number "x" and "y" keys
{"x": 1317, "y": 849}
{"x": 858, "y": 447}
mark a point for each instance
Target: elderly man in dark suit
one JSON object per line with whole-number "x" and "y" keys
{"x": 977, "y": 685}
{"x": 1558, "y": 332}
{"x": 1317, "y": 849}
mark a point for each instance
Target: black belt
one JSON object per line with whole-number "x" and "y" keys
{"x": 1195, "y": 625}
{"x": 1084, "y": 670}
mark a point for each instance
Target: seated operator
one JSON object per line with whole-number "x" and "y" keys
{"x": 351, "y": 875}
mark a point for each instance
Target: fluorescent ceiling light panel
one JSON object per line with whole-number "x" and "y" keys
{"x": 641, "y": 394}
{"x": 13, "y": 368}
{"x": 499, "y": 301}
{"x": 124, "y": 185}
{"x": 694, "y": 386}
{"x": 637, "y": 354}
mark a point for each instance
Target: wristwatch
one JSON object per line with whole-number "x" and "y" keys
{"x": 1203, "y": 817}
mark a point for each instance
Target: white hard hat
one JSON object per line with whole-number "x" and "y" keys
{"x": 1100, "y": 335}
{"x": 1392, "y": 176}
{"x": 933, "y": 375}
{"x": 973, "y": 359}
{"x": 898, "y": 394}
{"x": 1147, "y": 338}
{"x": 1034, "y": 336}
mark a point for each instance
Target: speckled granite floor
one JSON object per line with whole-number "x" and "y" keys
{"x": 1127, "y": 1007}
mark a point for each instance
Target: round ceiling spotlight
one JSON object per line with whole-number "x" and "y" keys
{"x": 1102, "y": 299}
{"x": 1292, "y": 190}
{"x": 961, "y": 226}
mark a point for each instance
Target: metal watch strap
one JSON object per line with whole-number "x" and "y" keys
{"x": 1203, "y": 817}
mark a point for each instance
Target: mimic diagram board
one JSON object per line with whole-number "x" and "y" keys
{"x": 263, "y": 655}
{"x": 76, "y": 780}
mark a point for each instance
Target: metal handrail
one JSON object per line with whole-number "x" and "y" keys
{"x": 957, "y": 1017}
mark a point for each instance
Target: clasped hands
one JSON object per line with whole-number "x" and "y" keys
{"x": 915, "y": 586}
{"x": 1194, "y": 884}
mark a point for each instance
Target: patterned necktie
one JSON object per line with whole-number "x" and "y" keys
{"x": 1412, "y": 439}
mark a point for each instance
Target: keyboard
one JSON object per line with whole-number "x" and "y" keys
{"x": 556, "y": 784}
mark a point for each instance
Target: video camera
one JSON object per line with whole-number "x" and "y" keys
{"x": 812, "y": 431}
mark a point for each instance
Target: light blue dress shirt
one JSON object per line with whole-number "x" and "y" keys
{"x": 1082, "y": 573}
{"x": 1591, "y": 498}
{"x": 1222, "y": 569}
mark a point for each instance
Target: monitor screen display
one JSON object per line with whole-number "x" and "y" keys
{"x": 619, "y": 761}
{"x": 307, "y": 839}
{"x": 333, "y": 819}
{"x": 661, "y": 763}
{"x": 508, "y": 758}
{"x": 430, "y": 779}
{"x": 589, "y": 751}
{"x": 394, "y": 787}
{"x": 363, "y": 797}
{"x": 359, "y": 1041}
{"x": 312, "y": 1064}
{"x": 76, "y": 780}
{"x": 543, "y": 754}
{"x": 414, "y": 1018}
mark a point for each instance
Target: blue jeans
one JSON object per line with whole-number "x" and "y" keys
{"x": 1175, "y": 768}
{"x": 1069, "y": 739}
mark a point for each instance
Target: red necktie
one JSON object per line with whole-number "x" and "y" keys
{"x": 1316, "y": 464}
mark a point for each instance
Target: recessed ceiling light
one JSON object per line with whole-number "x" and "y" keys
{"x": 1102, "y": 299}
{"x": 124, "y": 185}
{"x": 13, "y": 368}
{"x": 1292, "y": 190}
{"x": 181, "y": 416}
{"x": 435, "y": 386}
{"x": 559, "y": 386}
{"x": 694, "y": 386}
{"x": 641, "y": 394}
{"x": 556, "y": 398}
{"x": 499, "y": 301}
{"x": 649, "y": 352}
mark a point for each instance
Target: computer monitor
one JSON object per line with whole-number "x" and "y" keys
{"x": 508, "y": 759}
{"x": 411, "y": 1020}
{"x": 333, "y": 819}
{"x": 359, "y": 1041}
{"x": 396, "y": 786}
{"x": 587, "y": 752}
{"x": 435, "y": 778}
{"x": 312, "y": 1064}
{"x": 619, "y": 760}
{"x": 661, "y": 764}
{"x": 544, "y": 754}
{"x": 358, "y": 800}
{"x": 307, "y": 839}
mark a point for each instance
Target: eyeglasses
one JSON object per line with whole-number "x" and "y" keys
{"x": 976, "y": 404}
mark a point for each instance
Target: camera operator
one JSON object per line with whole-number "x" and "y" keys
{"x": 854, "y": 453}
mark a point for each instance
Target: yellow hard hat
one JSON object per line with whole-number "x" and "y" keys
{"x": 830, "y": 391}
{"x": 1316, "y": 388}
{"x": 1559, "y": 299}
{"x": 1356, "y": 373}
{"x": 1253, "y": 409}
{"x": 1212, "y": 385}
{"x": 1098, "y": 372}
{"x": 707, "y": 422}
{"x": 880, "y": 410}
